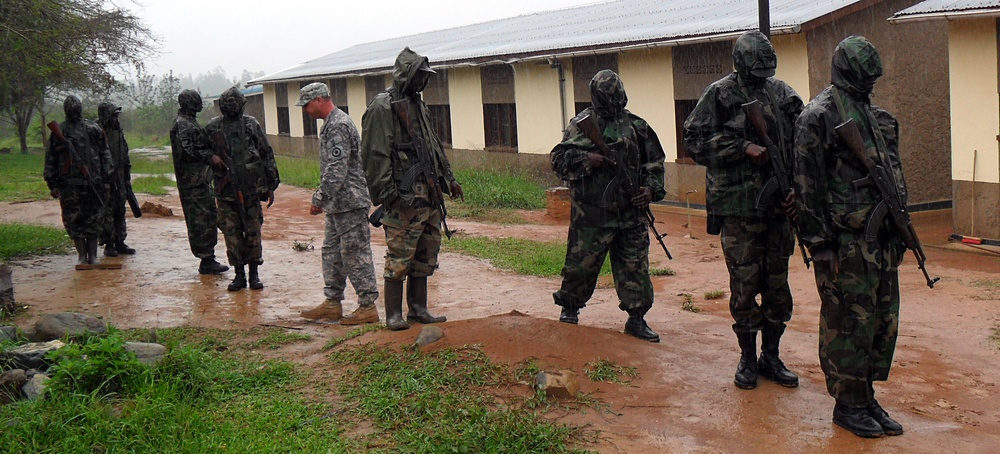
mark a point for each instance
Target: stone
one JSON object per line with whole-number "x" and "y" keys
{"x": 8, "y": 333}
{"x": 429, "y": 334}
{"x": 10, "y": 385}
{"x": 149, "y": 354}
{"x": 35, "y": 387}
{"x": 561, "y": 385}
{"x": 31, "y": 356}
{"x": 557, "y": 203}
{"x": 7, "y": 304}
{"x": 67, "y": 324}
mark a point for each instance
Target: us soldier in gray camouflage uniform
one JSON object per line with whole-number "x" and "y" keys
{"x": 193, "y": 161}
{"x": 114, "y": 233}
{"x": 257, "y": 175}
{"x": 82, "y": 212}
{"x": 857, "y": 280}
{"x": 756, "y": 243}
{"x": 343, "y": 195}
{"x": 412, "y": 224}
{"x": 604, "y": 220}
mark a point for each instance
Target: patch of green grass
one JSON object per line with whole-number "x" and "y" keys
{"x": 275, "y": 338}
{"x": 146, "y": 164}
{"x": 527, "y": 370}
{"x": 156, "y": 185}
{"x": 687, "y": 303}
{"x": 137, "y": 140}
{"x": 714, "y": 294}
{"x": 301, "y": 172}
{"x": 535, "y": 258}
{"x": 356, "y": 332}
{"x": 21, "y": 240}
{"x": 500, "y": 188}
{"x": 607, "y": 371}
{"x": 22, "y": 177}
{"x": 662, "y": 272}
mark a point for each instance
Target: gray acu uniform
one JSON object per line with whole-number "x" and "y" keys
{"x": 192, "y": 155}
{"x": 343, "y": 195}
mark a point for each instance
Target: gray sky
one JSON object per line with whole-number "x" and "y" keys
{"x": 270, "y": 35}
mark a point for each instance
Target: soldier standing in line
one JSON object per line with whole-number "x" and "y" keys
{"x": 396, "y": 180}
{"x": 756, "y": 242}
{"x": 343, "y": 195}
{"x": 606, "y": 218}
{"x": 78, "y": 173}
{"x": 193, "y": 162}
{"x": 114, "y": 233}
{"x": 857, "y": 279}
{"x": 251, "y": 174}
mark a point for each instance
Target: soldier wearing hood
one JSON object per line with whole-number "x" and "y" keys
{"x": 604, "y": 217}
{"x": 756, "y": 243}
{"x": 412, "y": 223}
{"x": 65, "y": 174}
{"x": 857, "y": 280}
{"x": 255, "y": 171}
{"x": 193, "y": 162}
{"x": 114, "y": 233}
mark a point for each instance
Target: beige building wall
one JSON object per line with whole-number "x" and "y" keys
{"x": 793, "y": 62}
{"x": 648, "y": 76}
{"x": 465, "y": 95}
{"x": 975, "y": 108}
{"x": 295, "y": 128}
{"x": 536, "y": 92}
{"x": 270, "y": 111}
{"x": 356, "y": 99}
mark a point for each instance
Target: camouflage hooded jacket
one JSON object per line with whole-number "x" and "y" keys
{"x": 824, "y": 167}
{"x": 385, "y": 149}
{"x": 252, "y": 156}
{"x": 87, "y": 138}
{"x": 191, "y": 151}
{"x": 108, "y": 119}
{"x": 717, "y": 132}
{"x": 598, "y": 199}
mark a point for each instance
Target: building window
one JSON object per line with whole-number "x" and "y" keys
{"x": 373, "y": 86}
{"x": 501, "y": 126}
{"x": 683, "y": 108}
{"x": 435, "y": 94}
{"x": 441, "y": 122}
{"x": 281, "y": 100}
{"x": 308, "y": 123}
{"x": 584, "y": 69}
{"x": 338, "y": 93}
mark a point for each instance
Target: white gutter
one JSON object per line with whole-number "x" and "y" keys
{"x": 948, "y": 15}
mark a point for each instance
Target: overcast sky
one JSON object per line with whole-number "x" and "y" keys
{"x": 196, "y": 36}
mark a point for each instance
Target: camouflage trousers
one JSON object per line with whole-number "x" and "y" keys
{"x": 243, "y": 236}
{"x": 859, "y": 317}
{"x": 114, "y": 218}
{"x": 347, "y": 253}
{"x": 82, "y": 213}
{"x": 412, "y": 239}
{"x": 200, "y": 215}
{"x": 586, "y": 250}
{"x": 757, "y": 252}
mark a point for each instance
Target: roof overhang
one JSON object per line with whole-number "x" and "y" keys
{"x": 947, "y": 15}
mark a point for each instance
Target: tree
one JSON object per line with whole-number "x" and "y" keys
{"x": 48, "y": 45}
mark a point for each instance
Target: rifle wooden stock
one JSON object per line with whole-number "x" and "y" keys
{"x": 75, "y": 156}
{"x": 424, "y": 162}
{"x": 588, "y": 125}
{"x": 231, "y": 179}
{"x": 780, "y": 178}
{"x": 888, "y": 198}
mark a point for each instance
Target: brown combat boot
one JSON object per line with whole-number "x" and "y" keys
{"x": 361, "y": 315}
{"x": 328, "y": 310}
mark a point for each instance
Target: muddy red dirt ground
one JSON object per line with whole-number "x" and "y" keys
{"x": 942, "y": 388}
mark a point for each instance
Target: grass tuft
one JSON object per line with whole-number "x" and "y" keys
{"x": 687, "y": 303}
{"x": 22, "y": 240}
{"x": 275, "y": 338}
{"x": 153, "y": 185}
{"x": 715, "y": 294}
{"x": 607, "y": 371}
{"x": 662, "y": 272}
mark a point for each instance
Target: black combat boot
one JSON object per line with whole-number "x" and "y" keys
{"x": 110, "y": 250}
{"x": 746, "y": 371}
{"x": 393, "y": 298}
{"x": 92, "y": 249}
{"x": 210, "y": 266}
{"x": 81, "y": 250}
{"x": 240, "y": 281}
{"x": 123, "y": 248}
{"x": 570, "y": 315}
{"x": 255, "y": 283}
{"x": 416, "y": 301}
{"x": 889, "y": 425}
{"x": 857, "y": 421}
{"x": 636, "y": 326}
{"x": 770, "y": 366}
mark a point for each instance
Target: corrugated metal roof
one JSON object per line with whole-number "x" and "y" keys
{"x": 931, "y": 9}
{"x": 609, "y": 25}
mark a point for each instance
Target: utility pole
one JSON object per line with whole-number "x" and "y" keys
{"x": 764, "y": 12}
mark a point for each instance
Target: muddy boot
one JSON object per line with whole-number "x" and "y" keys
{"x": 857, "y": 421}
{"x": 416, "y": 301}
{"x": 636, "y": 326}
{"x": 770, "y": 366}
{"x": 210, "y": 266}
{"x": 240, "y": 281}
{"x": 110, "y": 250}
{"x": 889, "y": 425}
{"x": 255, "y": 283}
{"x": 330, "y": 310}
{"x": 394, "y": 305}
{"x": 570, "y": 315}
{"x": 92, "y": 249}
{"x": 362, "y": 315}
{"x": 123, "y": 248}
{"x": 746, "y": 371}
{"x": 81, "y": 250}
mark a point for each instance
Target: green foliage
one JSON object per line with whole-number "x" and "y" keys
{"x": 714, "y": 294}
{"x": 151, "y": 164}
{"x": 159, "y": 139}
{"x": 276, "y": 338}
{"x": 529, "y": 257}
{"x": 155, "y": 185}
{"x": 20, "y": 240}
{"x": 607, "y": 371}
{"x": 687, "y": 303}
{"x": 356, "y": 332}
{"x": 100, "y": 366}
{"x": 22, "y": 177}
{"x": 662, "y": 272}
{"x": 300, "y": 172}
{"x": 500, "y": 188}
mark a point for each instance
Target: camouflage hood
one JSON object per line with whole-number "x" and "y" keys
{"x": 73, "y": 108}
{"x": 407, "y": 64}
{"x": 754, "y": 58}
{"x": 231, "y": 103}
{"x": 107, "y": 115}
{"x": 189, "y": 101}
{"x": 607, "y": 93}
{"x": 854, "y": 61}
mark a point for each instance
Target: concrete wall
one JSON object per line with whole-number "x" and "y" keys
{"x": 466, "y": 97}
{"x": 356, "y": 99}
{"x": 793, "y": 63}
{"x": 270, "y": 111}
{"x": 539, "y": 117}
{"x": 975, "y": 119}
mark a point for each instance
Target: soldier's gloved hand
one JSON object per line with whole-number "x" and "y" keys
{"x": 790, "y": 207}
{"x": 314, "y": 210}
{"x": 218, "y": 164}
{"x": 270, "y": 198}
{"x": 456, "y": 191}
{"x": 827, "y": 259}
{"x": 643, "y": 198}
{"x": 54, "y": 192}
{"x": 756, "y": 153}
{"x": 597, "y": 160}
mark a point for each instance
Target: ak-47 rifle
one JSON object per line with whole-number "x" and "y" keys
{"x": 424, "y": 163}
{"x": 888, "y": 197}
{"x": 119, "y": 179}
{"x": 780, "y": 178}
{"x": 232, "y": 178}
{"x": 588, "y": 125}
{"x": 75, "y": 156}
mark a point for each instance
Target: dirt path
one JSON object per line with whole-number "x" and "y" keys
{"x": 943, "y": 386}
